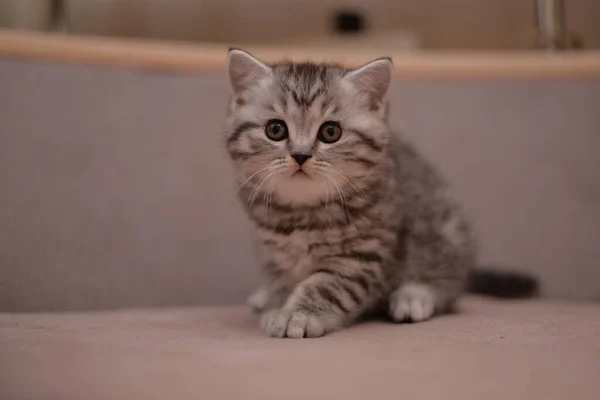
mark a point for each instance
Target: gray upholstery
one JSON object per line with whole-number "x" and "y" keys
{"x": 115, "y": 190}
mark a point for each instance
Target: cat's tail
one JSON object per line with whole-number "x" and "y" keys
{"x": 503, "y": 284}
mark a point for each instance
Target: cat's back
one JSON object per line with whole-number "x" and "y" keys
{"x": 416, "y": 179}
{"x": 422, "y": 194}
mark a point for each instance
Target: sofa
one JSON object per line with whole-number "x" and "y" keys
{"x": 125, "y": 258}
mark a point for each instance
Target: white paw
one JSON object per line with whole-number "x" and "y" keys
{"x": 412, "y": 302}
{"x": 258, "y": 300}
{"x": 291, "y": 324}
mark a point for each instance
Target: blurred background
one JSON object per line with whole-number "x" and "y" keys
{"x": 115, "y": 189}
{"x": 385, "y": 24}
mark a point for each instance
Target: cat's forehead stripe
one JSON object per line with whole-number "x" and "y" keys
{"x": 305, "y": 82}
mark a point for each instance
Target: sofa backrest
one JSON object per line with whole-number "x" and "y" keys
{"x": 115, "y": 190}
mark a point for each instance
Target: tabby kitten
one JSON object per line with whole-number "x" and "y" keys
{"x": 351, "y": 218}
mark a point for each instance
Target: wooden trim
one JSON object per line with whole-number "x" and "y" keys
{"x": 210, "y": 57}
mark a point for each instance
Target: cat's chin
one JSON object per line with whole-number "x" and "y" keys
{"x": 300, "y": 189}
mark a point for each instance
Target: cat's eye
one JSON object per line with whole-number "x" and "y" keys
{"x": 276, "y": 130}
{"x": 330, "y": 132}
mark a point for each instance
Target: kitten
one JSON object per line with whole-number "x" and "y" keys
{"x": 351, "y": 218}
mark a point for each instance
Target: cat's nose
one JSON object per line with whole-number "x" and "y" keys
{"x": 301, "y": 158}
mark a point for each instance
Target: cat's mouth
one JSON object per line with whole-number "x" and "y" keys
{"x": 300, "y": 173}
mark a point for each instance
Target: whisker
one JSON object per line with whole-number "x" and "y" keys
{"x": 255, "y": 189}
{"x": 259, "y": 186}
{"x": 270, "y": 190}
{"x": 321, "y": 163}
{"x": 240, "y": 187}
{"x": 326, "y": 185}
{"x": 342, "y": 198}
{"x": 276, "y": 165}
{"x": 329, "y": 218}
{"x": 347, "y": 179}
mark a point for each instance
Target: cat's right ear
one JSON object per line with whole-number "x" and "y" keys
{"x": 245, "y": 70}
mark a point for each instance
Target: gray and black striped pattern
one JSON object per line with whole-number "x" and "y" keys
{"x": 363, "y": 224}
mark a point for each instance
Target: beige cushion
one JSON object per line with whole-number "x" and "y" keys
{"x": 491, "y": 350}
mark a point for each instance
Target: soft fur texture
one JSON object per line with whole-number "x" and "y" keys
{"x": 360, "y": 225}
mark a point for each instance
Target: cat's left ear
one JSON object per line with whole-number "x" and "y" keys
{"x": 245, "y": 70}
{"x": 373, "y": 79}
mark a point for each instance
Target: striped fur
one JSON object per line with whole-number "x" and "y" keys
{"x": 369, "y": 225}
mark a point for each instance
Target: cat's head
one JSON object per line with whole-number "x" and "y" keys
{"x": 305, "y": 133}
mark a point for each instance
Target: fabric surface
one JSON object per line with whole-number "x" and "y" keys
{"x": 116, "y": 190}
{"x": 489, "y": 350}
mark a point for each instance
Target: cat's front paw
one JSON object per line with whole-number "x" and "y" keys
{"x": 258, "y": 300}
{"x": 292, "y": 324}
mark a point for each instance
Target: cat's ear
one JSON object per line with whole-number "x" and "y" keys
{"x": 373, "y": 79}
{"x": 245, "y": 70}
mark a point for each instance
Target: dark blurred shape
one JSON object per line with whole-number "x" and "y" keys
{"x": 503, "y": 284}
{"x": 58, "y": 15}
{"x": 349, "y": 22}
{"x": 551, "y": 23}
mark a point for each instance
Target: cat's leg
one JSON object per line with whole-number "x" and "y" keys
{"x": 267, "y": 297}
{"x": 413, "y": 302}
{"x": 332, "y": 297}
{"x": 434, "y": 273}
{"x": 419, "y": 300}
{"x": 259, "y": 299}
{"x": 274, "y": 292}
